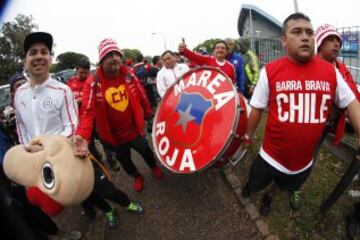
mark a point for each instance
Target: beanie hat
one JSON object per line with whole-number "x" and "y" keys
{"x": 38, "y": 37}
{"x": 14, "y": 78}
{"x": 108, "y": 45}
{"x": 325, "y": 31}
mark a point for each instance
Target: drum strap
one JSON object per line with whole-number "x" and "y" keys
{"x": 101, "y": 166}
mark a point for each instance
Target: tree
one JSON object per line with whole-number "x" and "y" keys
{"x": 208, "y": 44}
{"x": 12, "y": 36}
{"x": 68, "y": 60}
{"x": 131, "y": 53}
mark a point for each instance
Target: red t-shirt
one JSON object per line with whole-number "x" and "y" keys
{"x": 120, "y": 114}
{"x": 300, "y": 97}
{"x": 76, "y": 87}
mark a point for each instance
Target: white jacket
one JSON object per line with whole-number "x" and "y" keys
{"x": 166, "y": 77}
{"x": 45, "y": 109}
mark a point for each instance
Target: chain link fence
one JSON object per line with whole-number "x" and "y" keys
{"x": 269, "y": 49}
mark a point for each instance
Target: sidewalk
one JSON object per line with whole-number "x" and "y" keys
{"x": 195, "y": 206}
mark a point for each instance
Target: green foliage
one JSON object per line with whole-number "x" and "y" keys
{"x": 11, "y": 45}
{"x": 208, "y": 44}
{"x": 131, "y": 53}
{"x": 53, "y": 68}
{"x": 68, "y": 60}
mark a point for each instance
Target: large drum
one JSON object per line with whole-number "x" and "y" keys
{"x": 199, "y": 122}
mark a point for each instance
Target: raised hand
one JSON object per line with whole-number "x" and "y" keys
{"x": 182, "y": 45}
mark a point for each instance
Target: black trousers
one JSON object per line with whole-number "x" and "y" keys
{"x": 262, "y": 174}
{"x": 19, "y": 218}
{"x": 106, "y": 189}
{"x": 123, "y": 154}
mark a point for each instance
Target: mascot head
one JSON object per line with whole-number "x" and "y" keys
{"x": 53, "y": 176}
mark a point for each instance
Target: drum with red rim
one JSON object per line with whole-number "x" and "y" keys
{"x": 199, "y": 122}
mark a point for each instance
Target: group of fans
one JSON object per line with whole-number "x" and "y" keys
{"x": 112, "y": 105}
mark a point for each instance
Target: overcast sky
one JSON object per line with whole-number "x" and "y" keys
{"x": 79, "y": 25}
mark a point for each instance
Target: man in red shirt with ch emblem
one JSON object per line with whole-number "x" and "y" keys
{"x": 115, "y": 98}
{"x": 299, "y": 90}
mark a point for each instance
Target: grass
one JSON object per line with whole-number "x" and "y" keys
{"x": 307, "y": 223}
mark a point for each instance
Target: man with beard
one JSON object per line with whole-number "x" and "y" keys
{"x": 117, "y": 101}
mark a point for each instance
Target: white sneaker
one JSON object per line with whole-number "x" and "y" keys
{"x": 72, "y": 235}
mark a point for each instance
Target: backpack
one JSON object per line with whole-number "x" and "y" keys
{"x": 141, "y": 73}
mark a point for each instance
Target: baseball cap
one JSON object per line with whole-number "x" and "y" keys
{"x": 38, "y": 37}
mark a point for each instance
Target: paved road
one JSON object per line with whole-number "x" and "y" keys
{"x": 196, "y": 206}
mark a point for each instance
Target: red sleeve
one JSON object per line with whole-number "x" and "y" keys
{"x": 86, "y": 122}
{"x": 194, "y": 57}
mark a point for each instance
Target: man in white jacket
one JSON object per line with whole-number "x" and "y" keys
{"x": 43, "y": 105}
{"x": 169, "y": 73}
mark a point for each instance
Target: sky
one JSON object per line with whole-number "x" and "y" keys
{"x": 79, "y": 25}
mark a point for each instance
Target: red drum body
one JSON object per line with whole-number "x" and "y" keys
{"x": 199, "y": 122}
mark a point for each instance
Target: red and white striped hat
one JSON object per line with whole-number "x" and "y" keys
{"x": 323, "y": 32}
{"x": 108, "y": 45}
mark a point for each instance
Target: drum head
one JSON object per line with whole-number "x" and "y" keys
{"x": 195, "y": 120}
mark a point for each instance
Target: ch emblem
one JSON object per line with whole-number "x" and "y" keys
{"x": 117, "y": 98}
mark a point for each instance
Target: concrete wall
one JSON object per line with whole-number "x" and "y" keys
{"x": 266, "y": 30}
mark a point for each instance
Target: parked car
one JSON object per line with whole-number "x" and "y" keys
{"x": 4, "y": 96}
{"x": 65, "y": 75}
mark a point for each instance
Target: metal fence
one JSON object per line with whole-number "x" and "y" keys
{"x": 271, "y": 49}
{"x": 350, "y": 50}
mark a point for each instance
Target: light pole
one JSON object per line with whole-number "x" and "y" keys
{"x": 296, "y": 6}
{"x": 163, "y": 37}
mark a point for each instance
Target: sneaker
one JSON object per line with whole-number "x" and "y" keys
{"x": 135, "y": 208}
{"x": 157, "y": 173}
{"x": 352, "y": 226}
{"x": 111, "y": 217}
{"x": 73, "y": 235}
{"x": 265, "y": 206}
{"x": 138, "y": 183}
{"x": 356, "y": 178}
{"x": 295, "y": 200}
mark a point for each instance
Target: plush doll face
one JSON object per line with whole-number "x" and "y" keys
{"x": 51, "y": 173}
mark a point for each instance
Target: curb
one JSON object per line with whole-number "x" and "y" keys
{"x": 249, "y": 207}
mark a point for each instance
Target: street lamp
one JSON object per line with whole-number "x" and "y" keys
{"x": 163, "y": 37}
{"x": 296, "y": 6}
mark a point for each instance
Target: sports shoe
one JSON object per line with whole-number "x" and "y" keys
{"x": 73, "y": 235}
{"x": 138, "y": 183}
{"x": 265, "y": 206}
{"x": 157, "y": 173}
{"x": 352, "y": 226}
{"x": 295, "y": 200}
{"x": 111, "y": 217}
{"x": 135, "y": 208}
